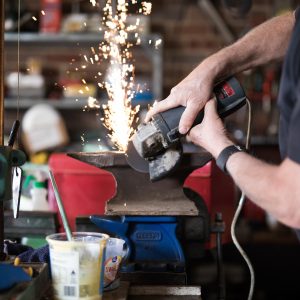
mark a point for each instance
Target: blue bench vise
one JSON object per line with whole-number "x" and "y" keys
{"x": 152, "y": 241}
{"x": 158, "y": 245}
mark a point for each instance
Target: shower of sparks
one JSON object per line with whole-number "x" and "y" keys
{"x": 120, "y": 37}
{"x": 119, "y": 115}
{"x": 158, "y": 42}
{"x": 82, "y": 139}
{"x": 93, "y": 103}
{"x": 146, "y": 6}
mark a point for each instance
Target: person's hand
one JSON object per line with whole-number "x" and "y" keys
{"x": 192, "y": 92}
{"x": 210, "y": 133}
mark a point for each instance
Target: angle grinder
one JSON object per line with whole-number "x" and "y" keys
{"x": 155, "y": 148}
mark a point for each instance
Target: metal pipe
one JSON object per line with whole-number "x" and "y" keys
{"x": 1, "y": 117}
{"x": 216, "y": 18}
{"x": 61, "y": 207}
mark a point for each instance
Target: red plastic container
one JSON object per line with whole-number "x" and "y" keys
{"x": 218, "y": 192}
{"x": 84, "y": 189}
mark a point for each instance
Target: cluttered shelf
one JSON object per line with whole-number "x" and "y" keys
{"x": 62, "y": 71}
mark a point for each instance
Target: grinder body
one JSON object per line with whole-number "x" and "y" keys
{"x": 158, "y": 142}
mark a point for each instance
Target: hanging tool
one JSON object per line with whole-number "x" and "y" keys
{"x": 156, "y": 147}
{"x": 16, "y": 172}
{"x": 10, "y": 173}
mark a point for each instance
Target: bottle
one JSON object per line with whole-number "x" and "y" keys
{"x": 51, "y": 16}
{"x": 39, "y": 196}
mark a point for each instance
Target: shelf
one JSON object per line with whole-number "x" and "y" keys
{"x": 25, "y": 103}
{"x": 84, "y": 37}
{"x": 60, "y": 103}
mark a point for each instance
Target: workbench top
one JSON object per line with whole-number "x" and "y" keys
{"x": 149, "y": 292}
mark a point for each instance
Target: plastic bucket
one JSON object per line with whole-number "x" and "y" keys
{"x": 116, "y": 251}
{"x": 77, "y": 265}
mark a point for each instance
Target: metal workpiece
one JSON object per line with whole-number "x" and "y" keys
{"x": 105, "y": 159}
{"x": 136, "y": 195}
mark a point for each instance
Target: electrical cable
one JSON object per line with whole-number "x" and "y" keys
{"x": 237, "y": 214}
{"x": 18, "y": 57}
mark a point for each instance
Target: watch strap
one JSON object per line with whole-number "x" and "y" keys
{"x": 224, "y": 156}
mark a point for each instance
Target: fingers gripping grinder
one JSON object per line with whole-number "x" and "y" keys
{"x": 156, "y": 146}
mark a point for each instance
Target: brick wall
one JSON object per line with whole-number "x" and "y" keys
{"x": 190, "y": 35}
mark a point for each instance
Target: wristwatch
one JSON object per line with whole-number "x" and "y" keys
{"x": 225, "y": 154}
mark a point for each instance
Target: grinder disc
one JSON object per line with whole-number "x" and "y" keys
{"x": 135, "y": 160}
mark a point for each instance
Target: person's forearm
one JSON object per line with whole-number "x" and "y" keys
{"x": 265, "y": 43}
{"x": 266, "y": 185}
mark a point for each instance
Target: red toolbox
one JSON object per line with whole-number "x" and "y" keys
{"x": 84, "y": 189}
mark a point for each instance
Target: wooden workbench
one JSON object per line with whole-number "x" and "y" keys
{"x": 149, "y": 292}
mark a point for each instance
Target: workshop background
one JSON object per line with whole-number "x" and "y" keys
{"x": 189, "y": 31}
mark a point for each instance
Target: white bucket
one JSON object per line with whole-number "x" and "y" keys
{"x": 77, "y": 265}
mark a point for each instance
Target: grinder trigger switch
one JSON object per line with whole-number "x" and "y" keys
{"x": 156, "y": 147}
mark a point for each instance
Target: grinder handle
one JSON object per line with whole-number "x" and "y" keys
{"x": 230, "y": 97}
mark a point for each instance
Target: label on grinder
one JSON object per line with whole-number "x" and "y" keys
{"x": 224, "y": 91}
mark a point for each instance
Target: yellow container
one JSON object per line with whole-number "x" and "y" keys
{"x": 77, "y": 265}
